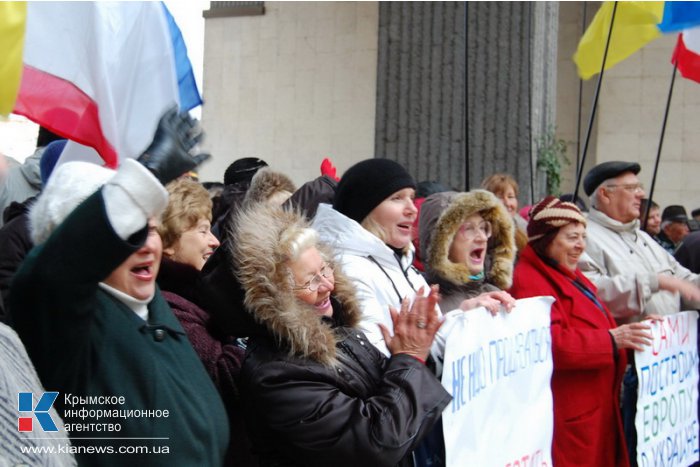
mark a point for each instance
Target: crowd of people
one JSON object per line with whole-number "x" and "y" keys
{"x": 261, "y": 324}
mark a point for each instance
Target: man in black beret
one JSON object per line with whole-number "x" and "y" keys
{"x": 674, "y": 227}
{"x": 635, "y": 276}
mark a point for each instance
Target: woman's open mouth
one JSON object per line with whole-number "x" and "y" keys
{"x": 143, "y": 271}
{"x": 405, "y": 228}
{"x": 323, "y": 304}
{"x": 477, "y": 255}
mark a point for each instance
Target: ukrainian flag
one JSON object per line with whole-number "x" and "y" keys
{"x": 635, "y": 25}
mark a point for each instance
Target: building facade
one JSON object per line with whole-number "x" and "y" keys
{"x": 454, "y": 91}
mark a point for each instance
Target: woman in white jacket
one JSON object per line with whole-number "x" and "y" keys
{"x": 370, "y": 225}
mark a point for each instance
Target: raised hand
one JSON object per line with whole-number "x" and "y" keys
{"x": 168, "y": 156}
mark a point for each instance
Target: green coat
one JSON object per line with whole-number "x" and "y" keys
{"x": 86, "y": 343}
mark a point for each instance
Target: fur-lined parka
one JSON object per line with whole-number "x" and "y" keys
{"x": 315, "y": 392}
{"x": 441, "y": 216}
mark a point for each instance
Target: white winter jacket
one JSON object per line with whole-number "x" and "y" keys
{"x": 624, "y": 262}
{"x": 381, "y": 279}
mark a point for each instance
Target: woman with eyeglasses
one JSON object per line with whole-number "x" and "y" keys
{"x": 315, "y": 392}
{"x": 468, "y": 248}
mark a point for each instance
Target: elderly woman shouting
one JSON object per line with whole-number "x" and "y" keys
{"x": 587, "y": 348}
{"x": 95, "y": 325}
{"x": 315, "y": 391}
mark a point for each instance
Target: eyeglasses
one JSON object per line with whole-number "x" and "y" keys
{"x": 315, "y": 282}
{"x": 469, "y": 231}
{"x": 630, "y": 187}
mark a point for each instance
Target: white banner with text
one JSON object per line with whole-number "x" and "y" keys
{"x": 667, "y": 406}
{"x": 498, "y": 370}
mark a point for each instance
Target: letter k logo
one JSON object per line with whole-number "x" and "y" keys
{"x": 41, "y": 411}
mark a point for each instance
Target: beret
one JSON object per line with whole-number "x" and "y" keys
{"x": 606, "y": 170}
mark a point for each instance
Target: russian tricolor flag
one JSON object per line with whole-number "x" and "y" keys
{"x": 102, "y": 73}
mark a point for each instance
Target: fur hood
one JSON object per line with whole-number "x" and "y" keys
{"x": 267, "y": 184}
{"x": 258, "y": 264}
{"x": 441, "y": 216}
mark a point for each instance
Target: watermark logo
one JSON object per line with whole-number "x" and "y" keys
{"x": 40, "y": 411}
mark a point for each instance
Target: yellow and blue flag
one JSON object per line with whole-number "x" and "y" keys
{"x": 635, "y": 25}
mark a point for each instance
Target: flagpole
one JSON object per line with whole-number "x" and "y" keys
{"x": 661, "y": 144}
{"x": 595, "y": 106}
{"x": 466, "y": 102}
{"x": 580, "y": 94}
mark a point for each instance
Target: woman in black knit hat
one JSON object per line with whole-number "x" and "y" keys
{"x": 370, "y": 225}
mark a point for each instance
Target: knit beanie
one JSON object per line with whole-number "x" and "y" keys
{"x": 366, "y": 184}
{"x": 242, "y": 170}
{"x": 551, "y": 214}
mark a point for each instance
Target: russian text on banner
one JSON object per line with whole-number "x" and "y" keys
{"x": 667, "y": 406}
{"x": 486, "y": 358}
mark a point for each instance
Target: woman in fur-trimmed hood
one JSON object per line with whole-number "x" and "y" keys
{"x": 314, "y": 390}
{"x": 467, "y": 240}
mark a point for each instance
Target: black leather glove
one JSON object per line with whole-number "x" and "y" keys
{"x": 168, "y": 156}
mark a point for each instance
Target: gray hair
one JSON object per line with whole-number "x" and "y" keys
{"x": 295, "y": 241}
{"x": 593, "y": 198}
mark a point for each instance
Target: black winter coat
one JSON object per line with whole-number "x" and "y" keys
{"x": 368, "y": 411}
{"x": 15, "y": 243}
{"x": 315, "y": 391}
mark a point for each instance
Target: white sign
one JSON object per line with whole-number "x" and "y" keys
{"x": 667, "y": 406}
{"x": 498, "y": 370}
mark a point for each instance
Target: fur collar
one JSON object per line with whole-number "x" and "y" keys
{"x": 258, "y": 265}
{"x": 266, "y": 183}
{"x": 441, "y": 216}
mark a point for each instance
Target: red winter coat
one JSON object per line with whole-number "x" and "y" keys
{"x": 587, "y": 372}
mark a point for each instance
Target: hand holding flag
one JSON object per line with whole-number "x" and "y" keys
{"x": 102, "y": 73}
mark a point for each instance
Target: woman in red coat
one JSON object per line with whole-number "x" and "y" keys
{"x": 589, "y": 351}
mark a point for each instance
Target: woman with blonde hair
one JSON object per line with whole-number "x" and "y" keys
{"x": 185, "y": 226}
{"x": 315, "y": 392}
{"x": 185, "y": 230}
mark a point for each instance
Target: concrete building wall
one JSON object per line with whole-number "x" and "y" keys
{"x": 421, "y": 118}
{"x": 292, "y": 86}
{"x": 499, "y": 79}
{"x": 631, "y": 108}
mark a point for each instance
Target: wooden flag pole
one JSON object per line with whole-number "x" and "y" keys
{"x": 661, "y": 144}
{"x": 579, "y": 169}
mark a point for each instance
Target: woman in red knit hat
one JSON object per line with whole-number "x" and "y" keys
{"x": 588, "y": 349}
